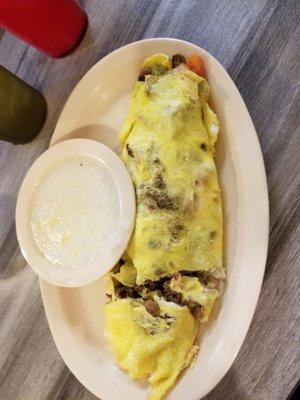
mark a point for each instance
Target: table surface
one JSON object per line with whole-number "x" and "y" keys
{"x": 257, "y": 41}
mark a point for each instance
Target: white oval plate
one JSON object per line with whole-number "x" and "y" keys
{"x": 96, "y": 110}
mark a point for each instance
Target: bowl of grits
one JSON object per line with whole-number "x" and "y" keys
{"x": 75, "y": 212}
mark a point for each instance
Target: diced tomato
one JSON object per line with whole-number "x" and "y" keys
{"x": 195, "y": 64}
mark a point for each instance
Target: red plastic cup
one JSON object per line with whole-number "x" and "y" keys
{"x": 52, "y": 26}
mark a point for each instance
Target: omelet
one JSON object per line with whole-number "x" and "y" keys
{"x": 148, "y": 346}
{"x": 167, "y": 145}
{"x": 169, "y": 277}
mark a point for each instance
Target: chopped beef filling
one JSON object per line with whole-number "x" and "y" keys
{"x": 162, "y": 288}
{"x": 156, "y": 197}
{"x": 177, "y": 230}
{"x": 197, "y": 311}
{"x": 124, "y": 291}
{"x": 159, "y": 182}
{"x": 152, "y": 307}
{"x": 116, "y": 268}
{"x": 149, "y": 285}
{"x": 129, "y": 151}
{"x": 171, "y": 295}
{"x": 143, "y": 73}
{"x": 207, "y": 280}
{"x": 178, "y": 59}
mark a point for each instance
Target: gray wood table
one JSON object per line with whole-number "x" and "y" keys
{"x": 258, "y": 42}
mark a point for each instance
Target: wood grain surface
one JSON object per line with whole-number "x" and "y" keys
{"x": 258, "y": 42}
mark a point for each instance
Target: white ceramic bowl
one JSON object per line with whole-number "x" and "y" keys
{"x": 54, "y": 273}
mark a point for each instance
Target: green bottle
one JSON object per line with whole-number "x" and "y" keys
{"x": 22, "y": 109}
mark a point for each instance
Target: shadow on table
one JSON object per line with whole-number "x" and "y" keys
{"x": 11, "y": 259}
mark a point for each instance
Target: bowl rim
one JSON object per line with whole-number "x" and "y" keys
{"x": 56, "y": 274}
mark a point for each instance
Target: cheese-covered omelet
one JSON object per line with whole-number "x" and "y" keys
{"x": 168, "y": 279}
{"x": 147, "y": 346}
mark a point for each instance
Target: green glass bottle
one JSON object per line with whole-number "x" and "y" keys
{"x": 22, "y": 109}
